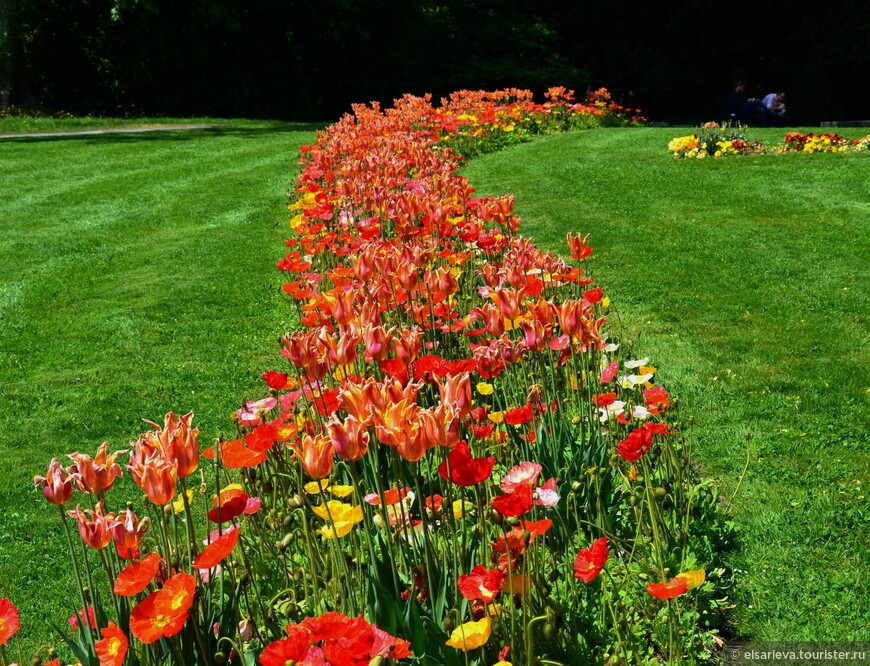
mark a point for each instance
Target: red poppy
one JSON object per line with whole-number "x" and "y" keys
{"x": 334, "y": 626}
{"x": 460, "y": 366}
{"x": 150, "y": 625}
{"x": 293, "y": 649}
{"x": 657, "y": 428}
{"x": 435, "y": 503}
{"x": 275, "y": 380}
{"x": 518, "y": 415}
{"x": 593, "y": 295}
{"x": 429, "y": 366}
{"x": 590, "y": 561}
{"x": 230, "y": 504}
{"x": 633, "y": 447}
{"x": 482, "y": 583}
{"x": 261, "y": 438}
{"x": 664, "y": 591}
{"x": 9, "y": 622}
{"x": 603, "y": 399}
{"x": 112, "y": 648}
{"x": 136, "y": 577}
{"x": 396, "y": 369}
{"x": 464, "y": 470}
{"x": 515, "y": 503}
{"x": 217, "y": 551}
{"x": 656, "y": 399}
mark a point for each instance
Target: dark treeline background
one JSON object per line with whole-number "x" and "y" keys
{"x": 309, "y": 59}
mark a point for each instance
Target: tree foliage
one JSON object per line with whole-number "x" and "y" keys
{"x": 312, "y": 58}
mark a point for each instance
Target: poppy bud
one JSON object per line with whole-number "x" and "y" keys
{"x": 448, "y": 624}
{"x": 660, "y": 492}
{"x": 219, "y": 658}
{"x": 577, "y": 485}
{"x": 377, "y": 661}
{"x": 549, "y": 631}
{"x": 287, "y": 540}
{"x": 496, "y": 517}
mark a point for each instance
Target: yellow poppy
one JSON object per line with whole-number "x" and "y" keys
{"x": 471, "y": 635}
{"x": 693, "y": 578}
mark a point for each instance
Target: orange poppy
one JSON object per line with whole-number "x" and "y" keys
{"x": 176, "y": 595}
{"x": 112, "y": 649}
{"x": 217, "y": 551}
{"x": 136, "y": 577}
{"x": 664, "y": 591}
{"x": 148, "y": 624}
{"x": 235, "y": 455}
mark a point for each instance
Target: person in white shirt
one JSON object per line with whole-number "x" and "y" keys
{"x": 775, "y": 104}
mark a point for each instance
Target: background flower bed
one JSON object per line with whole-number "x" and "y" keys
{"x": 717, "y": 140}
{"x": 581, "y": 334}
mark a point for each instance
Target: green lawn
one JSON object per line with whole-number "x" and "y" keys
{"x": 137, "y": 276}
{"x": 748, "y": 281}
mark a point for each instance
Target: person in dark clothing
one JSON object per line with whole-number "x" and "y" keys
{"x": 749, "y": 111}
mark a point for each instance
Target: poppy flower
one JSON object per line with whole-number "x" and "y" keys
{"x": 633, "y": 447}
{"x": 85, "y": 614}
{"x": 176, "y": 595}
{"x": 694, "y": 578}
{"x": 526, "y": 473}
{"x": 481, "y": 583}
{"x": 340, "y": 516}
{"x": 464, "y": 470}
{"x": 235, "y": 455}
{"x": 609, "y": 373}
{"x": 230, "y": 504}
{"x": 673, "y": 588}
{"x": 590, "y": 561}
{"x": 217, "y": 551}
{"x": 603, "y": 399}
{"x": 275, "y": 380}
{"x": 518, "y": 415}
{"x": 112, "y": 648}
{"x": 293, "y": 649}
{"x": 9, "y": 621}
{"x": 136, "y": 577}
{"x": 516, "y": 503}
{"x": 471, "y": 635}
{"x": 149, "y": 625}
{"x": 546, "y": 495}
{"x": 536, "y": 528}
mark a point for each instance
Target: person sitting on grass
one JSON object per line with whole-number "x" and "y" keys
{"x": 743, "y": 110}
{"x": 775, "y": 105}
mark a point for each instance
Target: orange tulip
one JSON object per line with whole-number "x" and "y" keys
{"x": 315, "y": 454}
{"x": 156, "y": 476}
{"x": 350, "y": 438}
{"x": 128, "y": 530}
{"x": 95, "y": 529}
{"x": 96, "y": 475}
{"x": 57, "y": 484}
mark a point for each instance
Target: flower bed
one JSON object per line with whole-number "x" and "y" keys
{"x": 715, "y": 140}
{"x": 457, "y": 462}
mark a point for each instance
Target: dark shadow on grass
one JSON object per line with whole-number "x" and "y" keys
{"x": 110, "y": 136}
